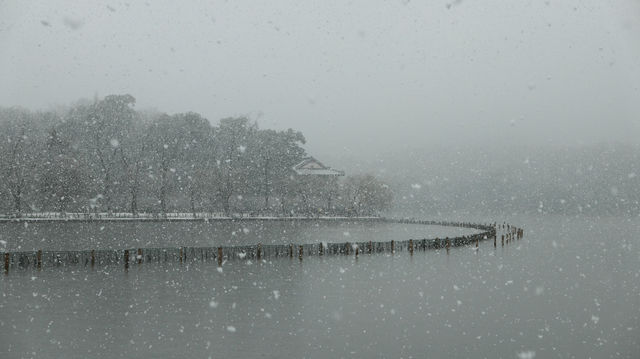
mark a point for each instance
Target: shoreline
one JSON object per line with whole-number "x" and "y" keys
{"x": 169, "y": 217}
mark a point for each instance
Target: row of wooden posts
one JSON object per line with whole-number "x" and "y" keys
{"x": 512, "y": 233}
{"x": 127, "y": 257}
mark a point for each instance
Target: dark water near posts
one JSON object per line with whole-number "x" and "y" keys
{"x": 569, "y": 289}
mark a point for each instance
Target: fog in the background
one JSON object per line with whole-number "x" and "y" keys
{"x": 368, "y": 77}
{"x": 409, "y": 90}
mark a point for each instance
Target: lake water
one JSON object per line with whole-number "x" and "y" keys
{"x": 129, "y": 234}
{"x": 569, "y": 289}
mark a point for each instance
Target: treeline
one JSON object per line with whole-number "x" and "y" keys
{"x": 104, "y": 156}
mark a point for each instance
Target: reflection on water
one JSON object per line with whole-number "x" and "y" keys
{"x": 570, "y": 288}
{"x": 117, "y": 235}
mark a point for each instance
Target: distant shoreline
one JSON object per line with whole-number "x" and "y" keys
{"x": 168, "y": 217}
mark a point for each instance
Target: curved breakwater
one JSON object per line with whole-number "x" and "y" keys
{"x": 126, "y": 257}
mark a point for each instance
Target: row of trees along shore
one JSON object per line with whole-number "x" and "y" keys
{"x": 105, "y": 156}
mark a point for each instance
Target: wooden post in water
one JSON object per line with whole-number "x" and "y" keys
{"x": 139, "y": 256}
{"x": 357, "y": 250}
{"x": 448, "y": 244}
{"x": 411, "y": 246}
{"x": 370, "y": 247}
{"x": 393, "y": 246}
{"x": 180, "y": 254}
{"x": 290, "y": 250}
{"x": 219, "y": 256}
{"x": 477, "y": 241}
{"x": 93, "y": 257}
{"x": 126, "y": 259}
{"x": 6, "y": 263}
{"x": 495, "y": 239}
{"x": 258, "y": 250}
{"x": 300, "y": 252}
{"x": 320, "y": 248}
{"x": 503, "y": 240}
{"x": 39, "y": 259}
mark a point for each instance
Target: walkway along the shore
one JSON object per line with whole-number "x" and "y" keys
{"x": 137, "y": 256}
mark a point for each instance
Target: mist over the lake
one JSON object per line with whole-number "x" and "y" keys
{"x": 360, "y": 78}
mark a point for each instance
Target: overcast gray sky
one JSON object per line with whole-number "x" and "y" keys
{"x": 365, "y": 76}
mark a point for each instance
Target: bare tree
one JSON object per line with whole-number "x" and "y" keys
{"x": 17, "y": 170}
{"x": 132, "y": 162}
{"x": 196, "y": 155}
{"x": 20, "y": 141}
{"x": 274, "y": 154}
{"x": 234, "y": 137}
{"x": 62, "y": 176}
{"x": 107, "y": 122}
{"x": 163, "y": 139}
{"x": 366, "y": 195}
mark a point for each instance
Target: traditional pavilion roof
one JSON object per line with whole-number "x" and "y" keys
{"x": 312, "y": 167}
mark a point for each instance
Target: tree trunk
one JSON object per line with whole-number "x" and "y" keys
{"x": 226, "y": 205}
{"x": 163, "y": 185}
{"x": 105, "y": 165}
{"x": 266, "y": 185}
{"x": 226, "y": 195}
{"x": 62, "y": 204}
{"x": 163, "y": 205}
{"x": 107, "y": 190}
{"x": 16, "y": 186}
{"x": 17, "y": 202}
{"x": 134, "y": 202}
{"x": 132, "y": 175}
{"x": 192, "y": 202}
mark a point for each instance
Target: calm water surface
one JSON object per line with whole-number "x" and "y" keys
{"x": 118, "y": 235}
{"x": 569, "y": 289}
